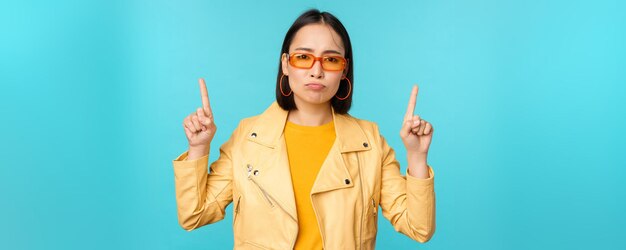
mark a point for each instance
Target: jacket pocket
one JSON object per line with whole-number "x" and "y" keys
{"x": 266, "y": 196}
{"x": 264, "y": 193}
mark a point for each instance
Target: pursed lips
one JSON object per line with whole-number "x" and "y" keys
{"x": 315, "y": 85}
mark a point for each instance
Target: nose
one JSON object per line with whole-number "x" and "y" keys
{"x": 317, "y": 71}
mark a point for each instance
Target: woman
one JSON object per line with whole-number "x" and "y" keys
{"x": 305, "y": 174}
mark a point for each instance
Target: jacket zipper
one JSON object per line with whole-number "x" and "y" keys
{"x": 358, "y": 163}
{"x": 265, "y": 194}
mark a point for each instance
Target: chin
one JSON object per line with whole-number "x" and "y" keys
{"x": 316, "y": 99}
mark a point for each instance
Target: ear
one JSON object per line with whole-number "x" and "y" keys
{"x": 284, "y": 63}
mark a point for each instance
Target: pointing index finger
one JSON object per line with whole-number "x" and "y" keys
{"x": 412, "y": 100}
{"x": 205, "y": 96}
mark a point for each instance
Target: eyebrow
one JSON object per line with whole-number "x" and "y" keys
{"x": 325, "y": 51}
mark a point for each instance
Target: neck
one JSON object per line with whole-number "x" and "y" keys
{"x": 309, "y": 114}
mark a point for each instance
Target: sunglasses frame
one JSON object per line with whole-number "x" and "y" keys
{"x": 316, "y": 58}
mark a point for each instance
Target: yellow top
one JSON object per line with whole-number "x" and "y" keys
{"x": 307, "y": 148}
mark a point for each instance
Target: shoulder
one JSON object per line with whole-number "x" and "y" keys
{"x": 246, "y": 124}
{"x": 368, "y": 128}
{"x": 367, "y": 125}
{"x": 248, "y": 121}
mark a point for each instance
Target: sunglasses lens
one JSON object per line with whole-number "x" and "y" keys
{"x": 306, "y": 61}
{"x": 333, "y": 63}
{"x": 301, "y": 60}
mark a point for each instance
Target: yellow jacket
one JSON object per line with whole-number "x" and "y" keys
{"x": 360, "y": 173}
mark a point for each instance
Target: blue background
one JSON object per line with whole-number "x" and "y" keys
{"x": 526, "y": 97}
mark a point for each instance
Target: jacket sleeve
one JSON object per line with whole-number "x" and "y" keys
{"x": 407, "y": 202}
{"x": 202, "y": 197}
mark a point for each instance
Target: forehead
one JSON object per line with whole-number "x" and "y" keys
{"x": 317, "y": 37}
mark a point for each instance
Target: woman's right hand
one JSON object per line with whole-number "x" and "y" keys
{"x": 199, "y": 126}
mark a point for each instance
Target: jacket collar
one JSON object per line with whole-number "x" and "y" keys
{"x": 269, "y": 127}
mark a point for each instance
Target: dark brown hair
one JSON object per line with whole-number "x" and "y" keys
{"x": 314, "y": 16}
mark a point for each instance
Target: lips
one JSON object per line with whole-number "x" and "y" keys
{"x": 314, "y": 83}
{"x": 314, "y": 86}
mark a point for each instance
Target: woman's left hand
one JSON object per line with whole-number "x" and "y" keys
{"x": 416, "y": 133}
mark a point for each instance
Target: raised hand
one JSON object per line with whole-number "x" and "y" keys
{"x": 416, "y": 133}
{"x": 199, "y": 126}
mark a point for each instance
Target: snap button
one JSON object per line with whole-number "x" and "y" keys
{"x": 256, "y": 172}
{"x": 347, "y": 181}
{"x": 253, "y": 135}
{"x": 365, "y": 144}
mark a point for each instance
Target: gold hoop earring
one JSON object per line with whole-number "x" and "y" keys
{"x": 349, "y": 90}
{"x": 280, "y": 86}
